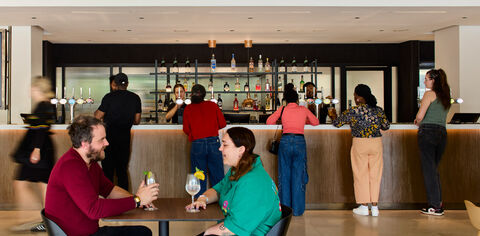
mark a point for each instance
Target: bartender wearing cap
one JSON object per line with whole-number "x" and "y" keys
{"x": 120, "y": 109}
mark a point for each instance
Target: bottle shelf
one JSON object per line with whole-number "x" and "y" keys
{"x": 221, "y": 92}
{"x": 215, "y": 73}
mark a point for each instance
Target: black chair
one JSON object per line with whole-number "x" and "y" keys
{"x": 281, "y": 227}
{"x": 52, "y": 228}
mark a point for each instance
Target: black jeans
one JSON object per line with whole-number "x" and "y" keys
{"x": 432, "y": 140}
{"x": 123, "y": 230}
{"x": 117, "y": 156}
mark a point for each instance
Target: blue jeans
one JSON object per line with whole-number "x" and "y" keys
{"x": 205, "y": 155}
{"x": 432, "y": 140}
{"x": 292, "y": 171}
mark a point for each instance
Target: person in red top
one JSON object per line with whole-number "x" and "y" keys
{"x": 292, "y": 153}
{"x": 76, "y": 181}
{"x": 201, "y": 122}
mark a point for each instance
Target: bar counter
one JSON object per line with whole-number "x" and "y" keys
{"x": 165, "y": 150}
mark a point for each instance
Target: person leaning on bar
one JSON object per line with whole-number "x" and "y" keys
{"x": 201, "y": 122}
{"x": 366, "y": 120}
{"x": 292, "y": 153}
{"x": 77, "y": 181}
{"x": 247, "y": 195}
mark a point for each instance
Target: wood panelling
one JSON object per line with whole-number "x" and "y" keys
{"x": 166, "y": 153}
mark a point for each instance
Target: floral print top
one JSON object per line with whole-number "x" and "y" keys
{"x": 365, "y": 121}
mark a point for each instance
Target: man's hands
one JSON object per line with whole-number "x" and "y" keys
{"x": 147, "y": 194}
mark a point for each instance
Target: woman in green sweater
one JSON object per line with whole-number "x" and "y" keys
{"x": 247, "y": 195}
{"x": 432, "y": 135}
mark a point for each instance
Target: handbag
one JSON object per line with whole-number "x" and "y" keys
{"x": 275, "y": 143}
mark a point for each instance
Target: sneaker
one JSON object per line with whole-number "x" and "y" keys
{"x": 39, "y": 228}
{"x": 432, "y": 211}
{"x": 361, "y": 210}
{"x": 375, "y": 211}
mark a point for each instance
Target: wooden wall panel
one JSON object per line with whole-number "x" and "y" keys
{"x": 166, "y": 152}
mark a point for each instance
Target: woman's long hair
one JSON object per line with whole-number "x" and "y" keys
{"x": 440, "y": 86}
{"x": 242, "y": 137}
{"x": 365, "y": 92}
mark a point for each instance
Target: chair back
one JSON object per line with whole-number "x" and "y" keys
{"x": 52, "y": 228}
{"x": 281, "y": 227}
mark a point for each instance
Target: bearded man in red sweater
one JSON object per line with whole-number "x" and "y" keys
{"x": 76, "y": 181}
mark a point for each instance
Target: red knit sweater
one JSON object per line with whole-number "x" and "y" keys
{"x": 202, "y": 120}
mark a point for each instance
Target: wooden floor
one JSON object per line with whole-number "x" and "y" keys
{"x": 314, "y": 222}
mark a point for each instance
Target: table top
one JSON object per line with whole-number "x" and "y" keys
{"x": 170, "y": 209}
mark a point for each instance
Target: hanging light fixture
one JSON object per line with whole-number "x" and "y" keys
{"x": 248, "y": 43}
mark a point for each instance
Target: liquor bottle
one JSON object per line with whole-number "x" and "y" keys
{"x": 258, "y": 86}
{"x": 187, "y": 66}
{"x": 268, "y": 67}
{"x": 267, "y": 86}
{"x": 160, "y": 103}
{"x": 237, "y": 85}
{"x": 169, "y": 101}
{"x": 305, "y": 65}
{"x": 210, "y": 85}
{"x": 268, "y": 103}
{"x": 235, "y": 103}
{"x": 166, "y": 103}
{"x": 277, "y": 101}
{"x": 220, "y": 102}
{"x": 246, "y": 87}
{"x": 247, "y": 104}
{"x": 163, "y": 67}
{"x": 185, "y": 84}
{"x": 251, "y": 65}
{"x": 168, "y": 88}
{"x": 226, "y": 87}
{"x": 281, "y": 67}
{"x": 294, "y": 65}
{"x": 301, "y": 102}
{"x": 280, "y": 83}
{"x": 255, "y": 102}
{"x": 301, "y": 83}
{"x": 294, "y": 87}
{"x": 193, "y": 84}
{"x": 233, "y": 63}
{"x": 175, "y": 66}
{"x": 213, "y": 63}
{"x": 260, "y": 63}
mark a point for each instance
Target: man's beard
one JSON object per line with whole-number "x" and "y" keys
{"x": 95, "y": 155}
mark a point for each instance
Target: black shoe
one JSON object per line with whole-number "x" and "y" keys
{"x": 39, "y": 228}
{"x": 433, "y": 211}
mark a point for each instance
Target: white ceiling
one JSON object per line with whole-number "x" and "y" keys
{"x": 287, "y": 24}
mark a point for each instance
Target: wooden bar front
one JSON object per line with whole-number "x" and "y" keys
{"x": 167, "y": 153}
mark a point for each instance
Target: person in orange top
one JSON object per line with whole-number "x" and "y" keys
{"x": 292, "y": 153}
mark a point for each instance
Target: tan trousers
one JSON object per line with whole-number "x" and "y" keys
{"x": 367, "y": 166}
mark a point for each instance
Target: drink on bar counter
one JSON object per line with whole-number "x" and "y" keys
{"x": 226, "y": 87}
{"x": 268, "y": 67}
{"x": 237, "y": 85}
{"x": 260, "y": 63}
{"x": 220, "y": 102}
{"x": 233, "y": 63}
{"x": 235, "y": 103}
{"x": 251, "y": 65}
{"x": 213, "y": 63}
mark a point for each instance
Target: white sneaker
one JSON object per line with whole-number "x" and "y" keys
{"x": 361, "y": 210}
{"x": 375, "y": 211}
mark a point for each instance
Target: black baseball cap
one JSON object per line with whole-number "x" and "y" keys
{"x": 121, "y": 79}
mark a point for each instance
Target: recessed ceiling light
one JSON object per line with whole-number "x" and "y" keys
{"x": 381, "y": 30}
{"x": 34, "y": 17}
{"x": 232, "y": 30}
{"x": 464, "y": 17}
{"x": 357, "y": 17}
{"x": 141, "y": 17}
{"x": 278, "y": 30}
{"x": 177, "y": 40}
{"x": 286, "y": 40}
{"x": 89, "y": 40}
{"x": 129, "y": 30}
{"x": 250, "y": 18}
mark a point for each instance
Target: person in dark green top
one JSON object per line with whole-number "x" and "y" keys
{"x": 432, "y": 135}
{"x": 247, "y": 195}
